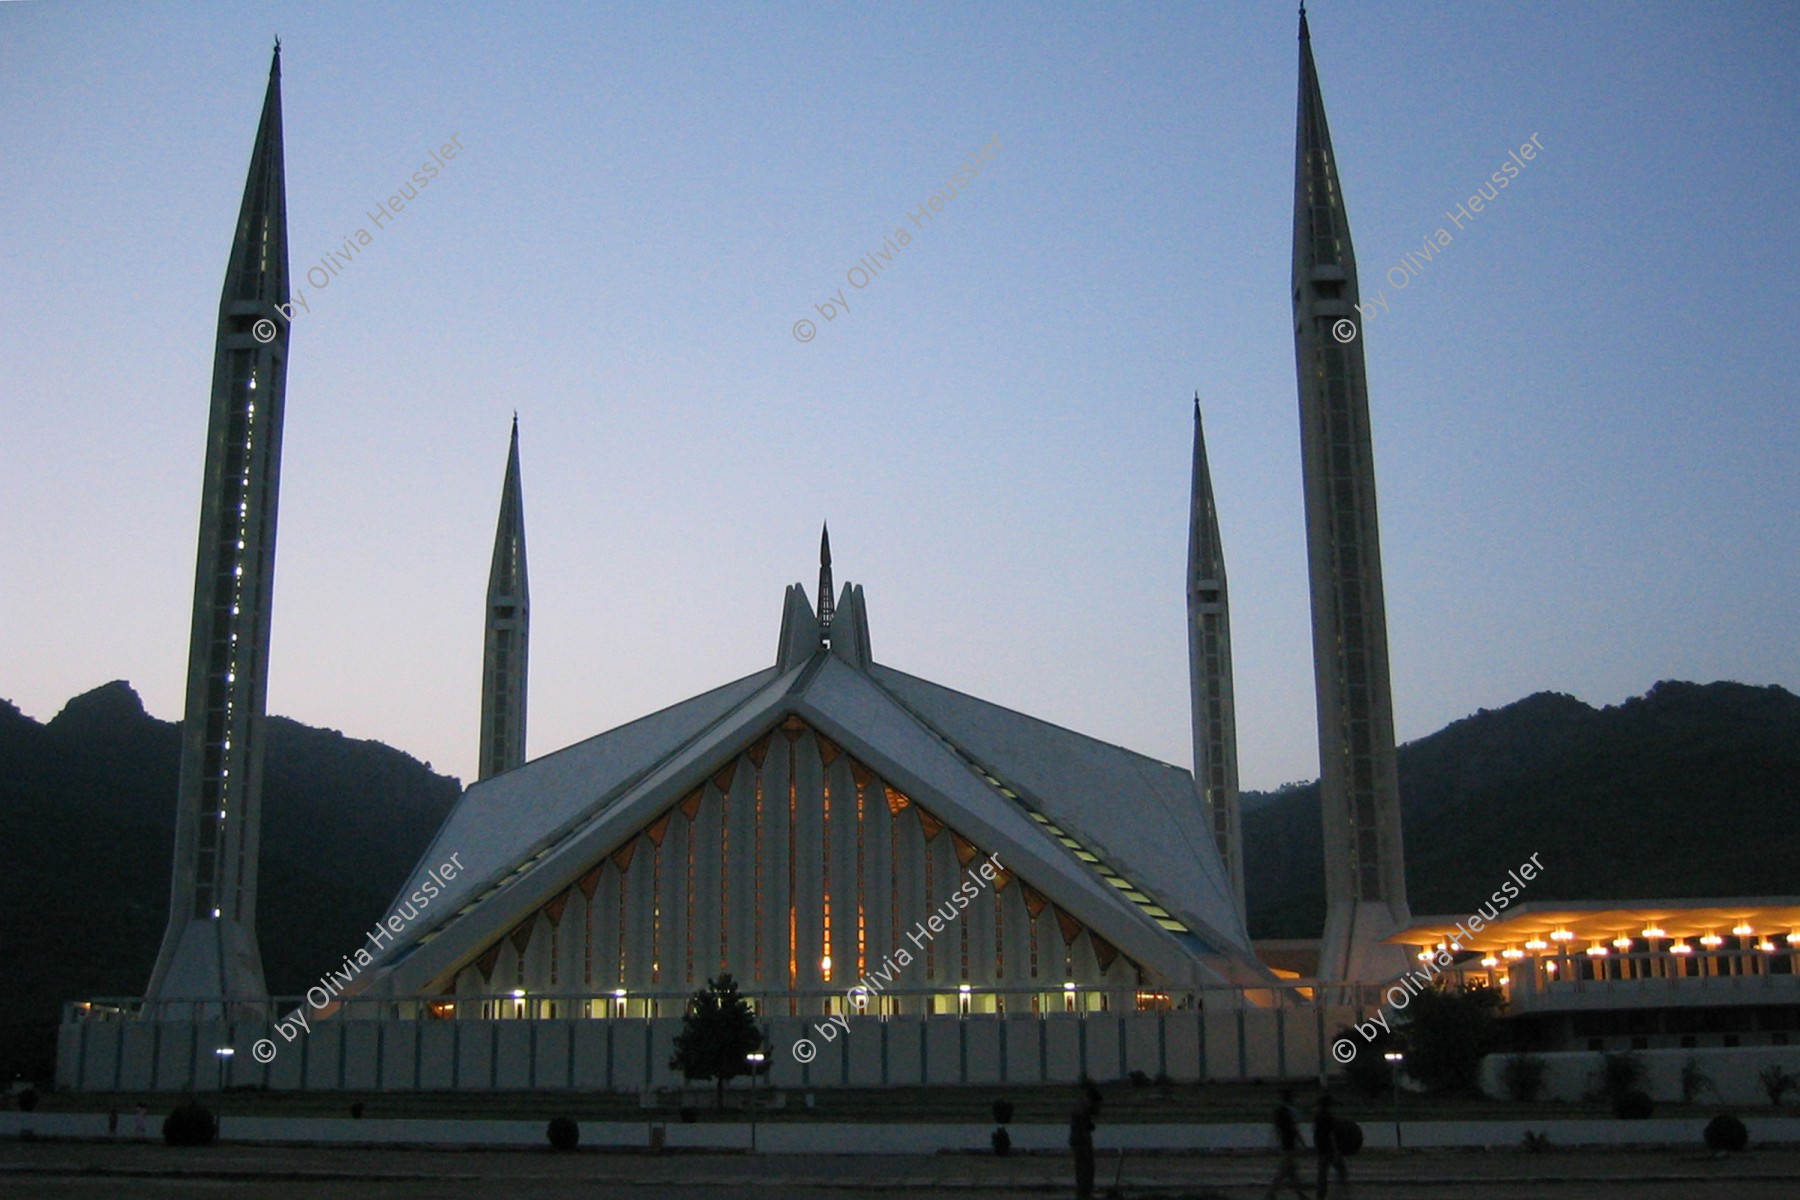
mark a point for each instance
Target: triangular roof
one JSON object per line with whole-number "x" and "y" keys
{"x": 1111, "y": 837}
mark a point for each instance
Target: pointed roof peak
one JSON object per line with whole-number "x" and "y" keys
{"x": 1305, "y": 34}
{"x": 827, "y": 602}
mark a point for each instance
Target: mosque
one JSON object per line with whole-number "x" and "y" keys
{"x": 970, "y": 894}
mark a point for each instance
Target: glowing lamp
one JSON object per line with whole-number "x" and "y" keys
{"x": 1681, "y": 948}
{"x": 1653, "y": 931}
{"x": 1623, "y": 942}
{"x": 1598, "y": 950}
{"x": 1537, "y": 944}
{"x": 1743, "y": 930}
{"x": 1712, "y": 939}
{"x": 1562, "y": 935}
{"x": 1489, "y": 960}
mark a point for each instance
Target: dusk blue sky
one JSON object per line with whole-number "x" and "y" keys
{"x": 1584, "y": 407}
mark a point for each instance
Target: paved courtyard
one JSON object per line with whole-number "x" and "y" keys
{"x": 80, "y": 1171}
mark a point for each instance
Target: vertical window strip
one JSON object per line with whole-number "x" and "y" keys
{"x": 655, "y": 911}
{"x": 825, "y": 874}
{"x": 724, "y": 877}
{"x": 862, "y": 933}
{"x": 693, "y": 836}
{"x": 793, "y": 884}
{"x": 757, "y": 867}
{"x": 999, "y": 935}
{"x": 930, "y": 890}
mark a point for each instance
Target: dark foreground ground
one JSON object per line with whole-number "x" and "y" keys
{"x": 92, "y": 1171}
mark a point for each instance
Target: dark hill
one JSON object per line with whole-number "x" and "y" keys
{"x": 1692, "y": 790}
{"x": 87, "y": 834}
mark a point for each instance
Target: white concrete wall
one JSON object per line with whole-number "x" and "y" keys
{"x": 627, "y": 1055}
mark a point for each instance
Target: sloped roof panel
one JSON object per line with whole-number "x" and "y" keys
{"x": 1142, "y": 816}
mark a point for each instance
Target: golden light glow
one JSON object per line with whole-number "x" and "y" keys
{"x": 1712, "y": 939}
{"x": 1766, "y": 946}
{"x": 1681, "y": 947}
{"x": 1654, "y": 931}
{"x": 1562, "y": 935}
{"x": 1512, "y": 952}
{"x": 1623, "y": 941}
{"x": 1743, "y": 930}
{"x": 1598, "y": 950}
{"x": 1490, "y": 961}
{"x": 1537, "y": 944}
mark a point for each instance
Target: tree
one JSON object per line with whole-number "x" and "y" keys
{"x": 718, "y": 1033}
{"x": 1446, "y": 1034}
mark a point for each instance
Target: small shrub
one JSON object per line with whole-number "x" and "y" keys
{"x": 1349, "y": 1136}
{"x": 190, "y": 1125}
{"x": 1002, "y": 1142}
{"x": 564, "y": 1133}
{"x": 1694, "y": 1081}
{"x": 1139, "y": 1079}
{"x": 1634, "y": 1105}
{"x": 1536, "y": 1143}
{"x": 1522, "y": 1076}
{"x": 1725, "y": 1133}
{"x": 1620, "y": 1072}
{"x": 1777, "y": 1081}
{"x": 1003, "y": 1111}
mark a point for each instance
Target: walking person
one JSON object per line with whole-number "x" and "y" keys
{"x": 1326, "y": 1147}
{"x": 1287, "y": 1136}
{"x": 1081, "y": 1137}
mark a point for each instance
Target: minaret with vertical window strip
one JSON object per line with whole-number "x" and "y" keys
{"x": 210, "y": 949}
{"x": 1365, "y": 878}
{"x": 506, "y": 646}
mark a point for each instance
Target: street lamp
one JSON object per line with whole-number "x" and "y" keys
{"x": 1394, "y": 1059}
{"x": 224, "y": 1053}
{"x": 755, "y": 1058}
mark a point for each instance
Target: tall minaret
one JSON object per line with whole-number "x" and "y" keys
{"x": 1365, "y": 876}
{"x": 1209, "y": 672}
{"x": 507, "y": 645}
{"x": 210, "y": 948}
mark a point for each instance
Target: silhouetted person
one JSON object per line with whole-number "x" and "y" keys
{"x": 1081, "y": 1138}
{"x": 1287, "y": 1136}
{"x": 137, "y": 1119}
{"x": 1325, "y": 1145}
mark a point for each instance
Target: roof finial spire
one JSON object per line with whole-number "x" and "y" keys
{"x": 1305, "y": 36}
{"x": 827, "y": 603}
